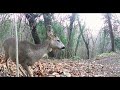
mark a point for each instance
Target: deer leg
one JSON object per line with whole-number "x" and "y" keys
{"x": 7, "y": 64}
{"x": 28, "y": 72}
{"x": 23, "y": 73}
{"x": 6, "y": 61}
{"x": 6, "y": 57}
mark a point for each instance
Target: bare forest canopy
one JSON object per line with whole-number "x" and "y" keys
{"x": 84, "y": 35}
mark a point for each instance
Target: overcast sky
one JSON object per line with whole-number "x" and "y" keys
{"x": 93, "y": 21}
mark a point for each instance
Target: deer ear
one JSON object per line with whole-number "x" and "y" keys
{"x": 49, "y": 34}
{"x": 55, "y": 35}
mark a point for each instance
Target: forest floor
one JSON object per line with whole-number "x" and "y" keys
{"x": 104, "y": 65}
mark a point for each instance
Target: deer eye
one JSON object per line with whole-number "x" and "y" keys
{"x": 58, "y": 40}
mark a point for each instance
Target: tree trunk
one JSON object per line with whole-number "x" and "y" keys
{"x": 32, "y": 23}
{"x": 86, "y": 45}
{"x": 72, "y": 19}
{"x": 48, "y": 25}
{"x": 77, "y": 44}
{"x": 47, "y": 20}
{"x": 85, "y": 41}
{"x": 78, "y": 41}
{"x": 111, "y": 32}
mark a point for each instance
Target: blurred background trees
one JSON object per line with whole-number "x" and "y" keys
{"x": 69, "y": 27}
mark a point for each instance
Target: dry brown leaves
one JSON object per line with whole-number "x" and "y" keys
{"x": 58, "y": 68}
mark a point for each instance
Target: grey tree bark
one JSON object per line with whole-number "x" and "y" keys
{"x": 111, "y": 32}
{"x": 72, "y": 19}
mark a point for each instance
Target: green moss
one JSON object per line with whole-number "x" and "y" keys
{"x": 104, "y": 55}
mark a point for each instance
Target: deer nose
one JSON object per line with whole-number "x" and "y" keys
{"x": 63, "y": 48}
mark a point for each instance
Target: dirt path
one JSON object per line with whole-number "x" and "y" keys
{"x": 113, "y": 63}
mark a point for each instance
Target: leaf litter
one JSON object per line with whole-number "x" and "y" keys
{"x": 65, "y": 68}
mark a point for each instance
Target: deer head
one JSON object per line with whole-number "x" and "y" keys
{"x": 55, "y": 42}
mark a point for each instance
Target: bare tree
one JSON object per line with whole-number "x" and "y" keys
{"x": 108, "y": 15}
{"x": 48, "y": 25}
{"x": 72, "y": 19}
{"x": 32, "y": 23}
{"x": 85, "y": 39}
{"x": 78, "y": 40}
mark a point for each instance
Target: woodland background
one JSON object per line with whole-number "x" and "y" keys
{"x": 78, "y": 39}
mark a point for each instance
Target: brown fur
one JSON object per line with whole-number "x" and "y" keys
{"x": 28, "y": 53}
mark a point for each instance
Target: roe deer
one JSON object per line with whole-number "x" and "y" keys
{"x": 29, "y": 53}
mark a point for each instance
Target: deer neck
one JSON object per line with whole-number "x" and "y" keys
{"x": 45, "y": 47}
{"x": 39, "y": 51}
